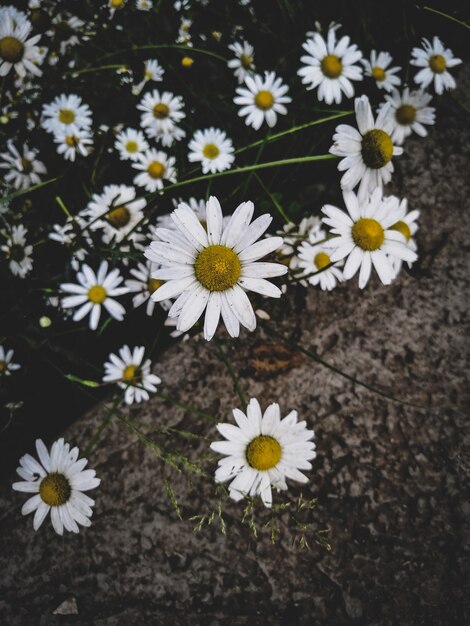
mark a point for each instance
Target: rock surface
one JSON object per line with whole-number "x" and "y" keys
{"x": 391, "y": 479}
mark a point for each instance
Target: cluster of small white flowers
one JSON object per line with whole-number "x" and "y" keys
{"x": 69, "y": 121}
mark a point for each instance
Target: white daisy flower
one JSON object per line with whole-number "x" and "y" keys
{"x": 378, "y": 68}
{"x": 153, "y": 71}
{"x": 116, "y": 211}
{"x": 18, "y": 253}
{"x": 58, "y": 481}
{"x": 130, "y": 143}
{"x": 213, "y": 149}
{"x": 131, "y": 373}
{"x": 18, "y": 17}
{"x": 262, "y": 99}
{"x": 330, "y": 65}
{"x": 368, "y": 152}
{"x": 435, "y": 61}
{"x": 144, "y": 5}
{"x": 262, "y": 450}
{"x": 210, "y": 268}
{"x": 366, "y": 237}
{"x": 161, "y": 113}
{"x": 143, "y": 285}
{"x": 71, "y": 143}
{"x": 293, "y": 235}
{"x": 6, "y": 364}
{"x": 16, "y": 50}
{"x": 155, "y": 166}
{"x": 94, "y": 291}
{"x": 243, "y": 62}
{"x": 314, "y": 257}
{"x": 66, "y": 112}
{"x": 24, "y": 169}
{"x": 406, "y": 225}
{"x": 409, "y": 113}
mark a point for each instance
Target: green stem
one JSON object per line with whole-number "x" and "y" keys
{"x": 273, "y": 200}
{"x": 186, "y": 407}
{"x": 295, "y": 129}
{"x": 449, "y": 17}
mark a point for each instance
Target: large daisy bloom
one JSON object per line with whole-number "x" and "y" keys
{"x": 132, "y": 373}
{"x": 161, "y": 112}
{"x": 16, "y": 50}
{"x": 155, "y": 167}
{"x": 213, "y": 149}
{"x": 315, "y": 262}
{"x": 94, "y": 291}
{"x": 243, "y": 63}
{"x": 409, "y": 112}
{"x": 368, "y": 151}
{"x": 365, "y": 237}
{"x": 406, "y": 225}
{"x": 378, "y": 68}
{"x": 330, "y": 65}
{"x": 435, "y": 61}
{"x": 262, "y": 450}
{"x": 211, "y": 268}
{"x": 6, "y": 362}
{"x": 67, "y": 113}
{"x": 262, "y": 99}
{"x": 116, "y": 211}
{"x": 23, "y": 167}
{"x": 58, "y": 481}
{"x": 18, "y": 252}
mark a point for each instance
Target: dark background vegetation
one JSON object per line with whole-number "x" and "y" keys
{"x": 277, "y": 31}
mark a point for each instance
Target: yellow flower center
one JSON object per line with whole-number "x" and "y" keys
{"x": 246, "y": 61}
{"x": 156, "y": 169}
{"x": 264, "y": 100}
{"x": 406, "y": 114}
{"x": 26, "y": 165}
{"x": 377, "y": 148}
{"x": 132, "y": 146}
{"x": 71, "y": 141}
{"x": 161, "y": 111}
{"x": 211, "y": 151}
{"x": 403, "y": 228}
{"x": 217, "y": 268}
{"x": 11, "y": 49}
{"x": 117, "y": 4}
{"x": 16, "y": 252}
{"x": 3, "y": 367}
{"x": 321, "y": 260}
{"x": 66, "y": 116}
{"x": 119, "y": 217}
{"x": 153, "y": 284}
{"x": 437, "y": 63}
{"x": 378, "y": 73}
{"x": 263, "y": 453}
{"x": 331, "y": 66}
{"x": 368, "y": 234}
{"x": 132, "y": 374}
{"x": 55, "y": 489}
{"x": 187, "y": 61}
{"x": 97, "y": 294}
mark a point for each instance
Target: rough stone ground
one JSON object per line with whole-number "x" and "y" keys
{"x": 391, "y": 480}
